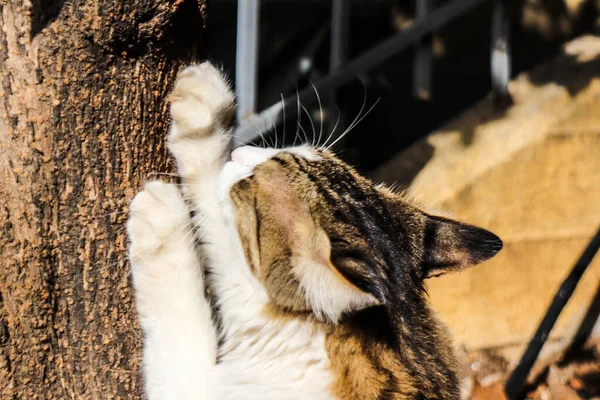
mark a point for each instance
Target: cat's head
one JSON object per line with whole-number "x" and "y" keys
{"x": 324, "y": 240}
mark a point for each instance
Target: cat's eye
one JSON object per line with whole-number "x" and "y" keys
{"x": 338, "y": 241}
{"x": 352, "y": 254}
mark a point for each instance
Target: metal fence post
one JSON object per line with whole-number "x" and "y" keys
{"x": 340, "y": 22}
{"x": 246, "y": 69}
{"x": 423, "y": 57}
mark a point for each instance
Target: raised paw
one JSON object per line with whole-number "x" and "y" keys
{"x": 159, "y": 218}
{"x": 200, "y": 102}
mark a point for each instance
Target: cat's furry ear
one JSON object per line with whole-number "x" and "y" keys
{"x": 451, "y": 245}
{"x": 246, "y": 222}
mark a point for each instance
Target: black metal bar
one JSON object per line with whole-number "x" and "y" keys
{"x": 340, "y": 13}
{"x": 340, "y": 22}
{"x": 585, "y": 329}
{"x": 423, "y": 58}
{"x": 438, "y": 18}
{"x": 515, "y": 382}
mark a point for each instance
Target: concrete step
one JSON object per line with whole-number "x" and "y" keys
{"x": 531, "y": 174}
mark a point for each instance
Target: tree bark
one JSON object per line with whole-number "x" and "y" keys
{"x": 82, "y": 125}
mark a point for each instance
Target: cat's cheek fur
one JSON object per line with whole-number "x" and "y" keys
{"x": 327, "y": 292}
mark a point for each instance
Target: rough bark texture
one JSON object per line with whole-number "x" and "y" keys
{"x": 82, "y": 124}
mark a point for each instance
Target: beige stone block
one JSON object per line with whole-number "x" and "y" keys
{"x": 531, "y": 174}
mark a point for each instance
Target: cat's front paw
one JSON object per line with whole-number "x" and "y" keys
{"x": 201, "y": 101}
{"x": 159, "y": 220}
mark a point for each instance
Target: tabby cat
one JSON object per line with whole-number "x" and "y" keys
{"x": 317, "y": 274}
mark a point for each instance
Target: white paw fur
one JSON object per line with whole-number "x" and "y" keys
{"x": 200, "y": 94}
{"x": 199, "y": 138}
{"x": 159, "y": 218}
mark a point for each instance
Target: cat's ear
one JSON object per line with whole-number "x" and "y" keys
{"x": 451, "y": 245}
{"x": 246, "y": 221}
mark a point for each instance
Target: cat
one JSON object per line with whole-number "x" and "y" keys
{"x": 317, "y": 274}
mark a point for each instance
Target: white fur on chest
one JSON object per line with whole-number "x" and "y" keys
{"x": 261, "y": 357}
{"x": 276, "y": 362}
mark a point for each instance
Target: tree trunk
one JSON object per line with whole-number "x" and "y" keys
{"x": 82, "y": 125}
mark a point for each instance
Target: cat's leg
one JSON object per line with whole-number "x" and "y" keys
{"x": 202, "y": 108}
{"x": 179, "y": 338}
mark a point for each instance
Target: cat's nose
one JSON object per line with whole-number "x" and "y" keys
{"x": 250, "y": 156}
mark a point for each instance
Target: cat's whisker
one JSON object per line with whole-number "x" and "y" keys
{"x": 314, "y": 132}
{"x": 275, "y": 132}
{"x": 304, "y": 132}
{"x": 184, "y": 239}
{"x": 270, "y": 133}
{"x": 320, "y": 115}
{"x": 208, "y": 209}
{"x": 263, "y": 141}
{"x": 261, "y": 135}
{"x": 331, "y": 134}
{"x": 197, "y": 237}
{"x": 251, "y": 143}
{"x": 174, "y": 175}
{"x": 299, "y": 115}
{"x": 297, "y": 136}
{"x": 355, "y": 122}
{"x": 283, "y": 108}
{"x": 200, "y": 225}
{"x": 358, "y": 115}
{"x": 237, "y": 141}
{"x": 196, "y": 203}
{"x": 349, "y": 128}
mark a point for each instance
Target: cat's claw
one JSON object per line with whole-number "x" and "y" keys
{"x": 158, "y": 219}
{"x": 200, "y": 101}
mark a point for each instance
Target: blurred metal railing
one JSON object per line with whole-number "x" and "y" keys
{"x": 252, "y": 125}
{"x": 247, "y": 57}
